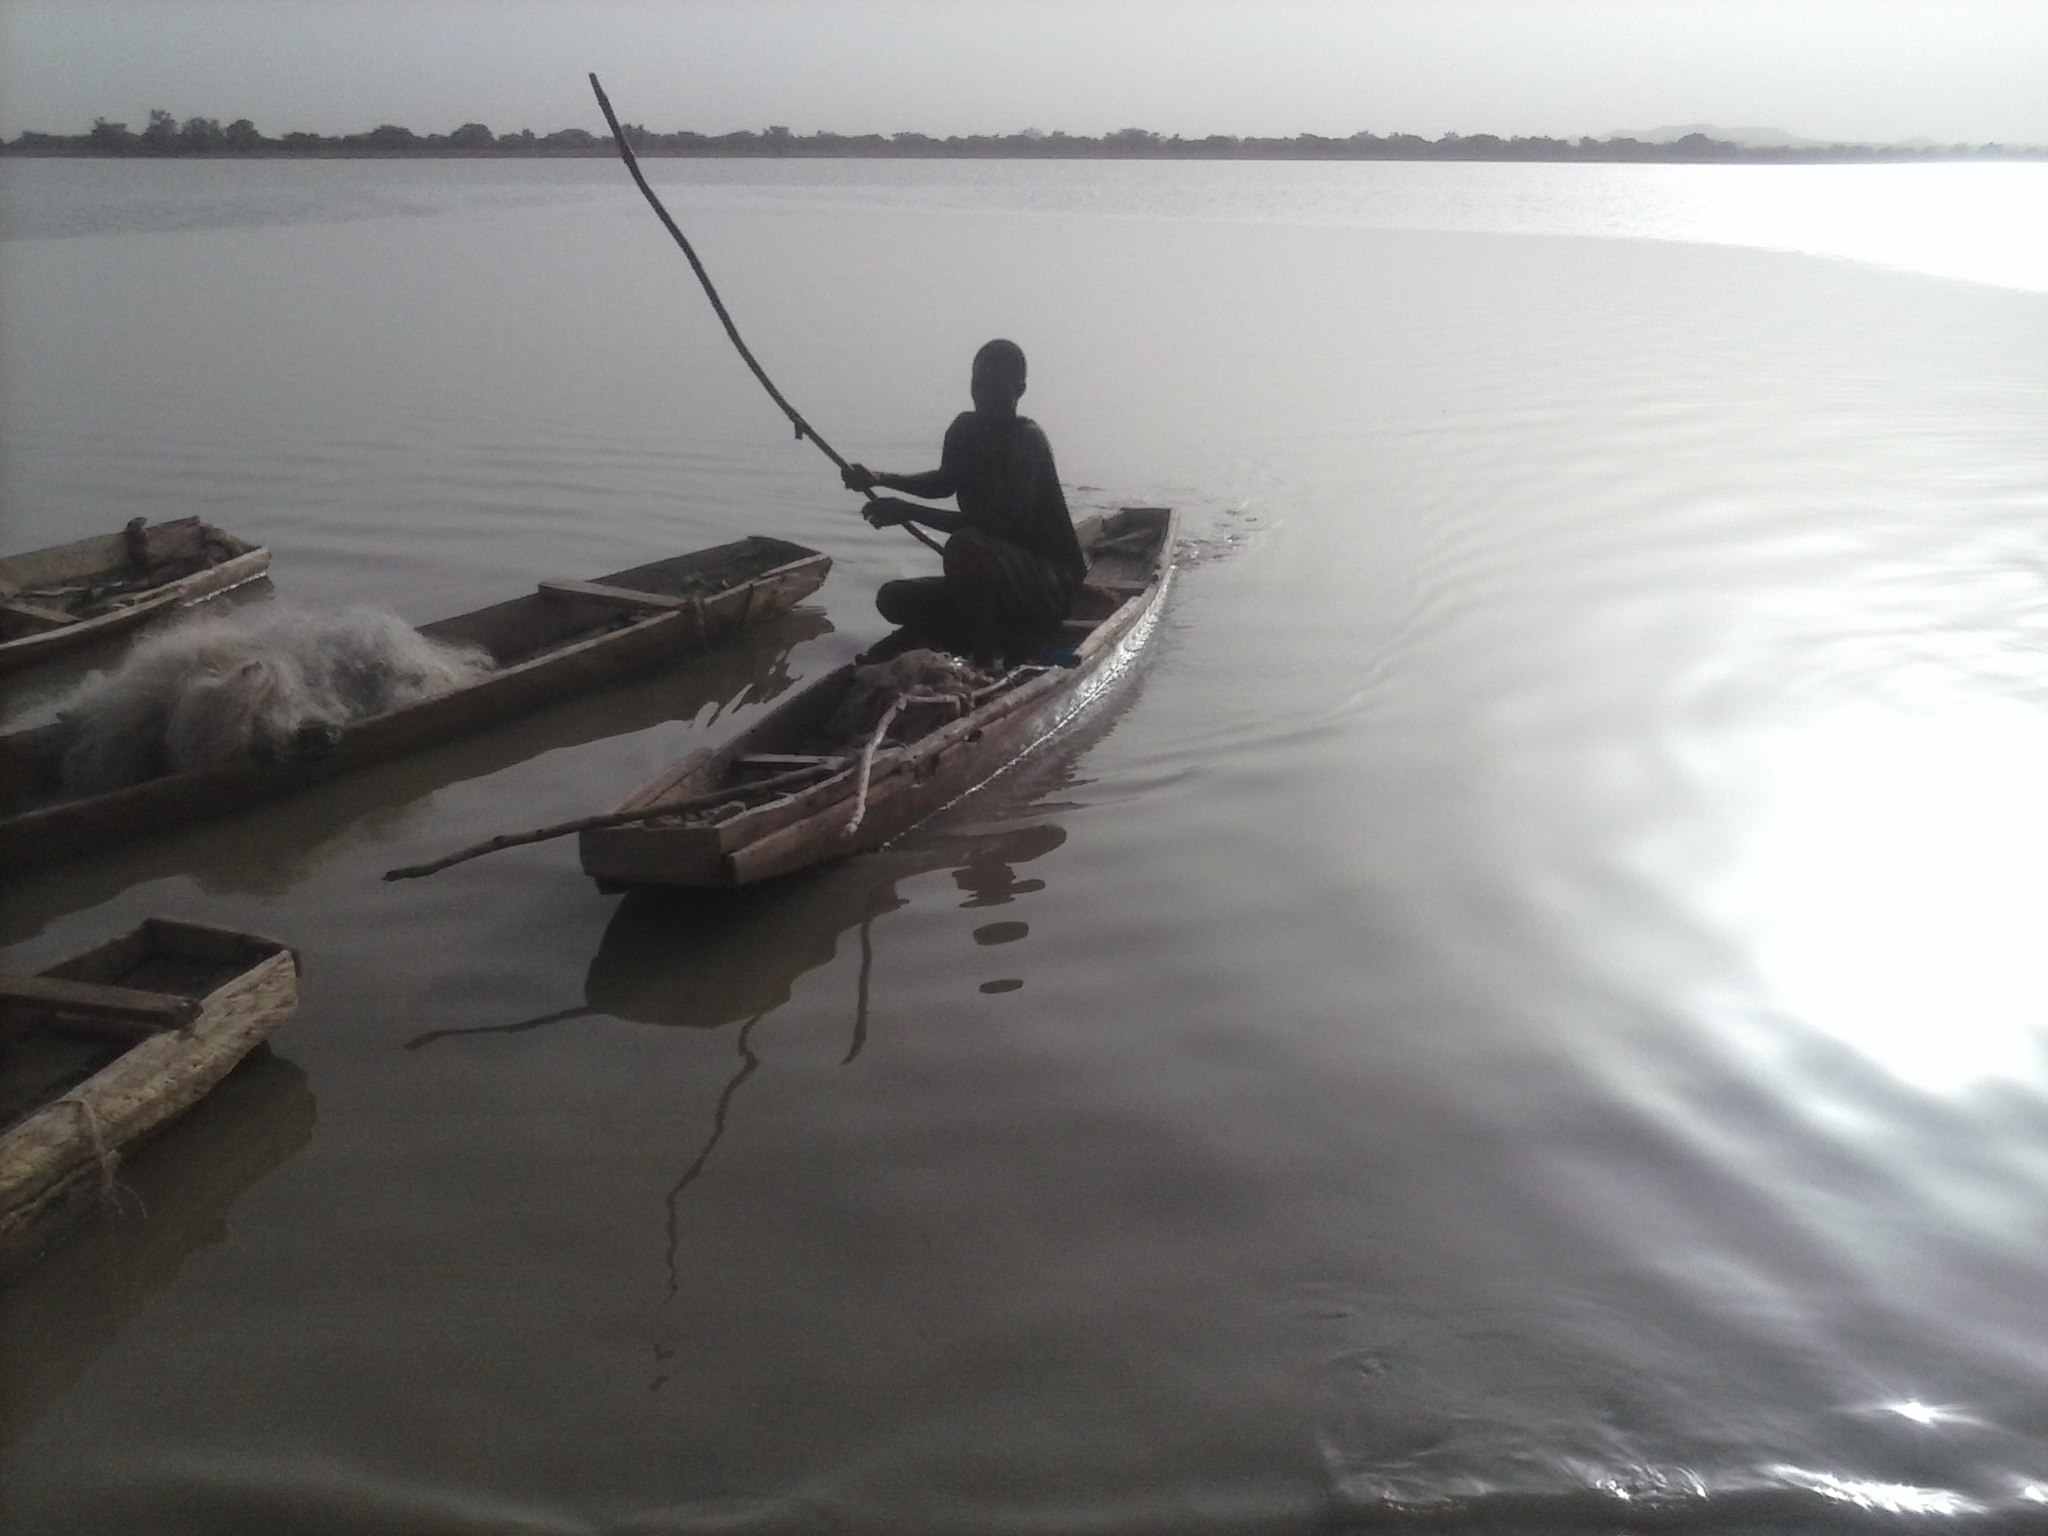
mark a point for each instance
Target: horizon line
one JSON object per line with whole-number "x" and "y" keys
{"x": 165, "y": 135}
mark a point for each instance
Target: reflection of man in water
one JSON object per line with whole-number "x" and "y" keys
{"x": 1012, "y": 563}
{"x": 988, "y": 873}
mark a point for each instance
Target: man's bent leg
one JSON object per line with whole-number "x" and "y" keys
{"x": 1009, "y": 602}
{"x": 924, "y": 607}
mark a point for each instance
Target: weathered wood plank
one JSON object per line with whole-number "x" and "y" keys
{"x": 162, "y": 1008}
{"x": 618, "y": 597}
{"x": 36, "y": 615}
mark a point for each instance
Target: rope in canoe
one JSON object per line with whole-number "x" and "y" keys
{"x": 111, "y": 1189}
{"x": 960, "y": 702}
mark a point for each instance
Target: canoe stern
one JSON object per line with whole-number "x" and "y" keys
{"x": 58, "y": 1159}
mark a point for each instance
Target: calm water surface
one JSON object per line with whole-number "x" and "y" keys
{"x": 1529, "y": 1014}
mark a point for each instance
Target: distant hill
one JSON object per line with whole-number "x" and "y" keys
{"x": 1748, "y": 138}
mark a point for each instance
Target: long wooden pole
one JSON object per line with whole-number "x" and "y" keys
{"x": 615, "y": 819}
{"x": 803, "y": 428}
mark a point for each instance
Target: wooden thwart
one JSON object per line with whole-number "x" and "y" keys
{"x": 621, "y": 597}
{"x": 161, "y": 1008}
{"x": 36, "y": 615}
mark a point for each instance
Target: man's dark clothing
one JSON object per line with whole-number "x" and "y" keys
{"x": 1011, "y": 574}
{"x": 1008, "y": 488}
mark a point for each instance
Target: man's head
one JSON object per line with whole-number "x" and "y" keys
{"x": 998, "y": 378}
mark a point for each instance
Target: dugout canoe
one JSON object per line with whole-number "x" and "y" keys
{"x": 101, "y": 1051}
{"x": 811, "y": 805}
{"x": 54, "y": 599}
{"x": 566, "y": 637}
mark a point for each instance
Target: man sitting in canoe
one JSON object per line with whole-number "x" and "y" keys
{"x": 1012, "y": 563}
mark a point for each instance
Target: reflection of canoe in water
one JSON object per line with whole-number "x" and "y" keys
{"x": 697, "y": 959}
{"x": 566, "y": 638}
{"x": 103, "y": 1050}
{"x": 690, "y": 959}
{"x": 678, "y": 957}
{"x": 773, "y": 801}
{"x": 60, "y": 1314}
{"x": 54, "y": 599}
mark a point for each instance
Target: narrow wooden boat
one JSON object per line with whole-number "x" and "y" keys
{"x": 566, "y": 638}
{"x": 794, "y": 790}
{"x": 57, "y": 598}
{"x": 101, "y": 1051}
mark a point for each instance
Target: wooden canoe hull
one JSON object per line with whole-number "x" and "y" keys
{"x": 550, "y": 644}
{"x": 33, "y": 628}
{"x": 906, "y": 784}
{"x": 86, "y": 1084}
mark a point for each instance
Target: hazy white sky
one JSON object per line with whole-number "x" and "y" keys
{"x": 1949, "y": 70}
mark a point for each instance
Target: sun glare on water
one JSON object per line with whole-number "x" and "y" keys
{"x": 1981, "y": 222}
{"x": 1898, "y": 886}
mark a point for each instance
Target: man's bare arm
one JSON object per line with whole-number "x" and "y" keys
{"x": 931, "y": 484}
{"x": 887, "y": 512}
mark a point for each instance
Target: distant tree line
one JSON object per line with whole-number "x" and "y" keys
{"x": 164, "y": 135}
